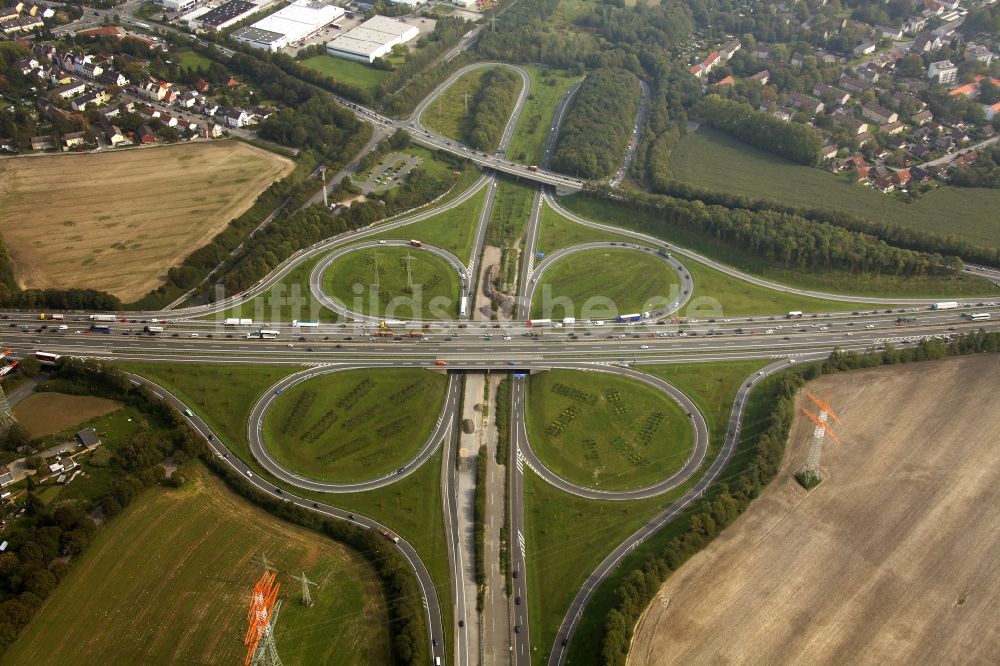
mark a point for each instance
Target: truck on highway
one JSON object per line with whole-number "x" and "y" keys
{"x": 263, "y": 334}
{"x": 100, "y": 328}
{"x": 568, "y": 321}
{"x": 539, "y": 322}
{"x": 388, "y": 534}
{"x": 945, "y": 305}
{"x": 237, "y": 322}
{"x": 57, "y": 317}
{"x": 104, "y": 317}
{"x": 304, "y": 324}
{"x": 153, "y": 329}
{"x": 463, "y": 308}
{"x": 976, "y": 316}
{"x": 533, "y": 167}
{"x": 635, "y": 316}
{"x": 905, "y": 320}
{"x": 794, "y": 314}
{"x": 416, "y": 243}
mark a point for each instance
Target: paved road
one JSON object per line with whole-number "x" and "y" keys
{"x": 633, "y": 142}
{"x": 435, "y": 627}
{"x": 260, "y": 452}
{"x": 679, "y": 298}
{"x": 699, "y": 447}
{"x": 318, "y": 292}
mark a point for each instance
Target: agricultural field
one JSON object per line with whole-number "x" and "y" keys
{"x": 410, "y": 283}
{"x": 527, "y": 145}
{"x": 354, "y": 425}
{"x": 605, "y": 431}
{"x": 642, "y": 282}
{"x": 701, "y": 156}
{"x": 898, "y": 543}
{"x": 63, "y": 230}
{"x": 352, "y": 73}
{"x": 840, "y": 282}
{"x": 446, "y": 114}
{"x": 169, "y": 581}
{"x": 48, "y": 413}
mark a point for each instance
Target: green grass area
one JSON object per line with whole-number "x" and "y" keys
{"x": 547, "y": 87}
{"x": 568, "y": 536}
{"x": 354, "y": 425}
{"x": 713, "y": 160}
{"x": 169, "y": 579}
{"x": 510, "y": 213}
{"x": 586, "y": 646}
{"x": 399, "y": 282}
{"x": 190, "y": 59}
{"x": 840, "y": 282}
{"x": 604, "y": 431}
{"x": 352, "y": 73}
{"x": 446, "y": 115}
{"x": 223, "y": 395}
{"x": 641, "y": 282}
{"x": 556, "y": 232}
{"x": 287, "y": 300}
{"x": 453, "y": 229}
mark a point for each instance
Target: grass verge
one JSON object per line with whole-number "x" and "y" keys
{"x": 548, "y": 86}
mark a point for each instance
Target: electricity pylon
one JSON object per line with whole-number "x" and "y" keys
{"x": 263, "y": 562}
{"x": 306, "y": 596}
{"x": 820, "y": 432}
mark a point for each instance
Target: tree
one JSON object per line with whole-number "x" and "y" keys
{"x": 16, "y": 437}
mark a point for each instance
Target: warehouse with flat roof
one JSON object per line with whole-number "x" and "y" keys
{"x": 287, "y": 26}
{"x": 226, "y": 15}
{"x": 372, "y": 39}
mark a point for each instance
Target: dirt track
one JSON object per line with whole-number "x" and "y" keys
{"x": 894, "y": 558}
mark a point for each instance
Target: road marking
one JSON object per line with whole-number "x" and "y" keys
{"x": 520, "y": 543}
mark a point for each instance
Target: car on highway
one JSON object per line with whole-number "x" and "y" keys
{"x": 643, "y": 346}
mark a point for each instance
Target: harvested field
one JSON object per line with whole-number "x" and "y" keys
{"x": 894, "y": 558}
{"x": 118, "y": 221}
{"x": 46, "y": 413}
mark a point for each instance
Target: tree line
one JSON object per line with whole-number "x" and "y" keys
{"x": 781, "y": 238}
{"x": 598, "y": 124}
{"x": 984, "y": 173}
{"x": 491, "y": 108}
{"x": 792, "y": 141}
{"x": 755, "y": 464}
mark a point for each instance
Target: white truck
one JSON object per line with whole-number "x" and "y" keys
{"x": 304, "y": 324}
{"x": 104, "y": 317}
{"x": 263, "y": 334}
{"x": 945, "y": 305}
{"x": 568, "y": 321}
{"x": 237, "y": 322}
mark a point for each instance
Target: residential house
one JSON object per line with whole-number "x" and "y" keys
{"x": 157, "y": 90}
{"x": 978, "y": 52}
{"x": 782, "y": 113}
{"x": 828, "y": 152}
{"x": 730, "y": 48}
{"x": 889, "y": 32}
{"x": 902, "y": 177}
{"x": 919, "y": 175}
{"x": 854, "y": 85}
{"x": 869, "y": 73}
{"x": 187, "y": 99}
{"x": 925, "y": 42}
{"x": 832, "y": 95}
{"x": 933, "y": 7}
{"x": 88, "y": 437}
{"x": 922, "y": 117}
{"x": 210, "y": 109}
{"x": 878, "y": 114}
{"x": 73, "y": 139}
{"x": 234, "y": 117}
{"x": 807, "y": 104}
{"x": 761, "y": 52}
{"x": 914, "y": 24}
{"x": 201, "y": 86}
{"x": 864, "y": 48}
{"x": 884, "y": 184}
{"x": 93, "y": 98}
{"x": 892, "y": 128}
{"x": 968, "y": 90}
{"x": 70, "y": 90}
{"x": 148, "y": 112}
{"x": 856, "y": 126}
{"x": 946, "y": 31}
{"x": 761, "y": 77}
{"x": 145, "y": 134}
{"x": 114, "y": 135}
{"x": 167, "y": 120}
{"x": 213, "y": 130}
{"x": 21, "y": 24}
{"x": 111, "y": 77}
{"x": 865, "y": 138}
{"x": 965, "y": 159}
{"x": 725, "y": 82}
{"x": 91, "y": 70}
{"x": 944, "y": 71}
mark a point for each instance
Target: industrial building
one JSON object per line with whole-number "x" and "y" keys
{"x": 224, "y": 15}
{"x": 372, "y": 39}
{"x": 176, "y": 5}
{"x": 287, "y": 26}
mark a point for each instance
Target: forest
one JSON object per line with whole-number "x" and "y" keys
{"x": 784, "y": 239}
{"x": 792, "y": 141}
{"x": 491, "y": 108}
{"x": 598, "y": 124}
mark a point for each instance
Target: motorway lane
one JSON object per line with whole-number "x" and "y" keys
{"x": 633, "y": 142}
{"x": 683, "y": 295}
{"x": 259, "y": 449}
{"x": 316, "y": 277}
{"x": 699, "y": 448}
{"x": 456, "y": 565}
{"x": 521, "y": 638}
{"x": 432, "y": 607}
{"x": 558, "y": 654}
{"x": 732, "y": 272}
